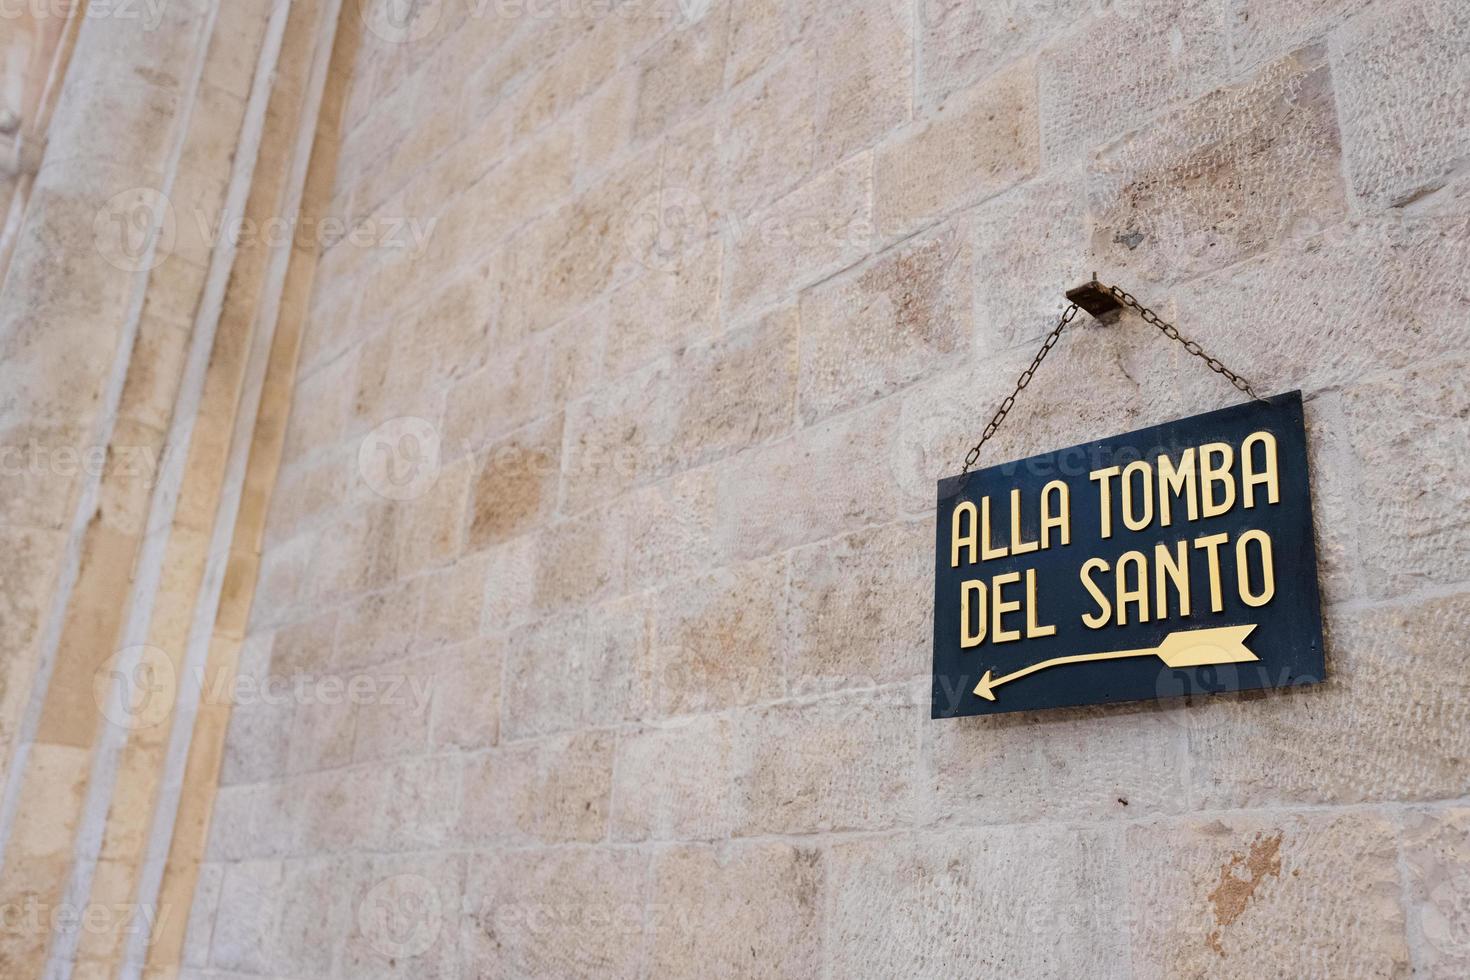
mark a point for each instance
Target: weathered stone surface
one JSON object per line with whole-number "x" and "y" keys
{"x": 393, "y": 710}
{"x": 1263, "y": 29}
{"x": 1398, "y": 71}
{"x": 453, "y": 603}
{"x": 577, "y": 562}
{"x": 245, "y": 920}
{"x": 664, "y": 308}
{"x": 405, "y": 918}
{"x": 822, "y": 226}
{"x": 1083, "y": 764}
{"x": 974, "y": 147}
{"x": 861, "y": 72}
{"x": 718, "y": 638}
{"x": 674, "y": 782}
{"x": 1176, "y": 51}
{"x": 577, "y": 670}
{"x": 1214, "y": 182}
{"x": 555, "y": 912}
{"x": 860, "y": 610}
{"x": 314, "y": 916}
{"x": 421, "y": 805}
{"x": 1389, "y": 723}
{"x": 1436, "y": 847}
{"x": 767, "y": 144}
{"x": 845, "y": 762}
{"x": 1010, "y": 901}
{"x": 683, "y": 411}
{"x": 886, "y": 324}
{"x": 667, "y": 528}
{"x": 378, "y": 627}
{"x": 1412, "y": 532}
{"x": 515, "y": 486}
{"x": 683, "y": 71}
{"x": 737, "y": 909}
{"x": 960, "y": 43}
{"x": 546, "y": 790}
{"x": 822, "y": 481}
{"x": 1340, "y": 306}
{"x": 467, "y": 695}
{"x": 1245, "y": 895}
{"x": 1030, "y": 248}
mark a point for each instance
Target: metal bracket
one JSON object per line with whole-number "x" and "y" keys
{"x": 1096, "y": 299}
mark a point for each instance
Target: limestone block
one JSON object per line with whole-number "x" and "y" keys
{"x": 314, "y": 916}
{"x": 467, "y": 695}
{"x": 393, "y": 709}
{"x": 845, "y": 762}
{"x": 737, "y": 909}
{"x": 683, "y": 71}
{"x": 1030, "y": 248}
{"x": 1263, "y": 29}
{"x": 543, "y": 790}
{"x": 555, "y": 912}
{"x": 1412, "y": 532}
{"x": 718, "y": 638}
{"x": 822, "y": 481}
{"x": 1245, "y": 895}
{"x": 861, "y": 71}
{"x": 1399, "y": 72}
{"x": 405, "y": 918}
{"x": 1340, "y": 305}
{"x": 378, "y": 627}
{"x": 1387, "y": 725}
{"x": 1073, "y": 764}
{"x": 887, "y": 324}
{"x": 667, "y": 528}
{"x": 680, "y": 412}
{"x": 861, "y": 609}
{"x": 576, "y": 670}
{"x": 249, "y": 898}
{"x": 817, "y": 229}
{"x": 960, "y": 43}
{"x": 422, "y": 804}
{"x": 664, "y": 308}
{"x": 1175, "y": 52}
{"x": 1012, "y": 901}
{"x": 453, "y": 603}
{"x": 515, "y": 484}
{"x": 767, "y": 136}
{"x": 676, "y": 782}
{"x": 1220, "y": 179}
{"x": 577, "y": 561}
{"x": 1436, "y": 847}
{"x": 973, "y": 147}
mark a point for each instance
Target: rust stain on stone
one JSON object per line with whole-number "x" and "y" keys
{"x": 1239, "y": 879}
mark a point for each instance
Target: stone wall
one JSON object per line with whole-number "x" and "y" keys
{"x": 591, "y": 630}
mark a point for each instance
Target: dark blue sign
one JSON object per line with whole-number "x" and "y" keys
{"x": 1175, "y": 560}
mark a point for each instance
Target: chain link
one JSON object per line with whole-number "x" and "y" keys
{"x": 1021, "y": 383}
{"x": 1148, "y": 316}
{"x": 1172, "y": 332}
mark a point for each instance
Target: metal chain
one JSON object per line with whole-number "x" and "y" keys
{"x": 1022, "y": 382}
{"x": 1148, "y": 316}
{"x": 1172, "y": 332}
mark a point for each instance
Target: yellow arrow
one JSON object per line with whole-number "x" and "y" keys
{"x": 1184, "y": 648}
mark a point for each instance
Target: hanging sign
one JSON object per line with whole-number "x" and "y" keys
{"x": 1178, "y": 559}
